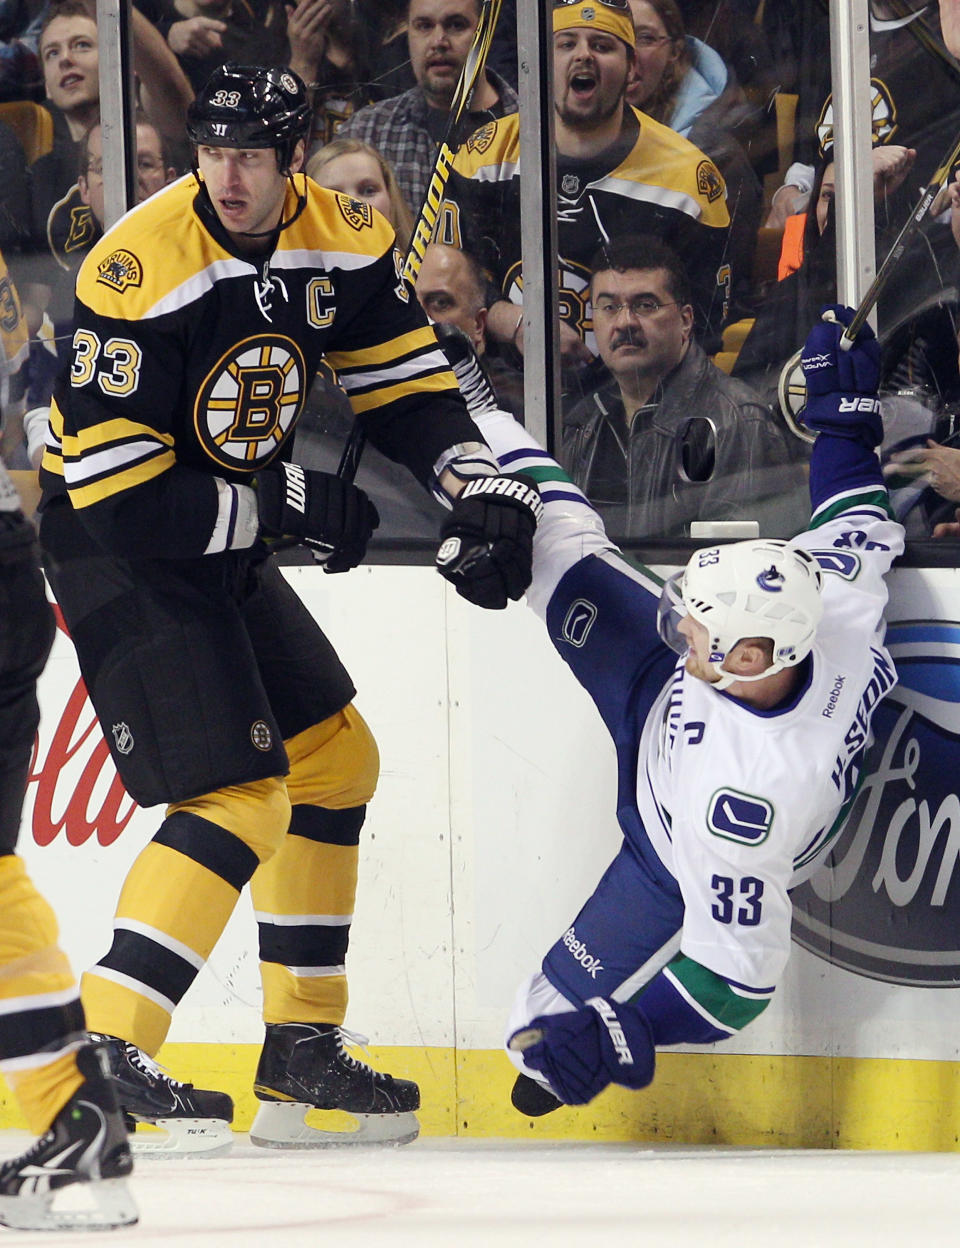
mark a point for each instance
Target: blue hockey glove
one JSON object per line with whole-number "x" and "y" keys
{"x": 842, "y": 384}
{"x": 486, "y": 546}
{"x": 582, "y": 1051}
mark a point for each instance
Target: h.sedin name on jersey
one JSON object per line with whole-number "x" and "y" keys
{"x": 886, "y": 904}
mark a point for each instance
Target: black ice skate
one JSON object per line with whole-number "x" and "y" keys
{"x": 304, "y": 1068}
{"x": 194, "y": 1120}
{"x": 73, "y": 1177}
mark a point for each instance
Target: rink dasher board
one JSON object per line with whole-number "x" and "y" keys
{"x": 493, "y": 820}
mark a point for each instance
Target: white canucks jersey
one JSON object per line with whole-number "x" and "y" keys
{"x": 738, "y": 804}
{"x": 742, "y": 804}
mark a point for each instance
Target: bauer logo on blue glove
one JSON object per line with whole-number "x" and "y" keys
{"x": 842, "y": 378}
{"x": 580, "y": 1052}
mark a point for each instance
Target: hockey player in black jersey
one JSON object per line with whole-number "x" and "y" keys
{"x": 57, "y": 1074}
{"x": 201, "y": 320}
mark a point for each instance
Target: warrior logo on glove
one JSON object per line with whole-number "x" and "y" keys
{"x": 486, "y": 547}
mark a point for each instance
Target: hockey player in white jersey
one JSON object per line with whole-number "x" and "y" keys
{"x": 736, "y": 762}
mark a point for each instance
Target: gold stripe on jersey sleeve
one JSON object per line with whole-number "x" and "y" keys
{"x": 402, "y": 390}
{"x": 137, "y": 474}
{"x": 422, "y": 339}
{"x": 53, "y": 457}
{"x": 110, "y": 432}
{"x": 127, "y": 454}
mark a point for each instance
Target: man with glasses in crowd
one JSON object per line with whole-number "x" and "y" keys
{"x": 666, "y": 437}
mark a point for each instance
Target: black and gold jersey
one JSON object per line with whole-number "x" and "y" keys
{"x": 914, "y": 94}
{"x": 191, "y": 364}
{"x": 651, "y": 181}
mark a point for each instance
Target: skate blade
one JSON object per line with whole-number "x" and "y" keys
{"x": 181, "y": 1137}
{"x": 291, "y": 1124}
{"x": 96, "y": 1206}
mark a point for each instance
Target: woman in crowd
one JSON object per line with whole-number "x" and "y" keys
{"x": 357, "y": 169}
{"x": 686, "y": 85}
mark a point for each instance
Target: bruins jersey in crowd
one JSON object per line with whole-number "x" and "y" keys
{"x": 650, "y": 181}
{"x": 189, "y": 359}
{"x": 915, "y": 93}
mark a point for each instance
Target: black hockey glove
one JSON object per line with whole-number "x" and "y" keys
{"x": 842, "y": 383}
{"x": 581, "y": 1051}
{"x": 333, "y": 517}
{"x": 486, "y": 543}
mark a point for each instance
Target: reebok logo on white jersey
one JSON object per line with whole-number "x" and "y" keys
{"x": 579, "y": 950}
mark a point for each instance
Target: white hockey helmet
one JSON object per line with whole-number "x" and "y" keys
{"x": 760, "y": 588}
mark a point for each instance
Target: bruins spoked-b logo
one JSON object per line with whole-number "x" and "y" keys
{"x": 250, "y": 400}
{"x": 120, "y": 270}
{"x": 883, "y": 121}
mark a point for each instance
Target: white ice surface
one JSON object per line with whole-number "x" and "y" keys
{"x": 501, "y": 1194}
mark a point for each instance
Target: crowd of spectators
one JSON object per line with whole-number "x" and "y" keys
{"x": 667, "y": 138}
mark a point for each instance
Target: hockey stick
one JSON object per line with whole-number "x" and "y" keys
{"x": 430, "y": 207}
{"x": 792, "y": 390}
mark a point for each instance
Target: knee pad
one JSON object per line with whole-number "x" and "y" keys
{"x": 334, "y": 764}
{"x": 258, "y": 813}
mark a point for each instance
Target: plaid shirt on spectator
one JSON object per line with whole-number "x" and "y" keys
{"x": 399, "y": 129}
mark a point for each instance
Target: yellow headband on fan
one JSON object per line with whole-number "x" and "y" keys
{"x": 595, "y": 15}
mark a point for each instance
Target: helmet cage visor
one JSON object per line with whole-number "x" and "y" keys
{"x": 670, "y": 611}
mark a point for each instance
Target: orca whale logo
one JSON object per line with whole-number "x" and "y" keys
{"x": 771, "y": 579}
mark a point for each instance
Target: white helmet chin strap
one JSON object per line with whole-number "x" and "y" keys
{"x": 729, "y": 678}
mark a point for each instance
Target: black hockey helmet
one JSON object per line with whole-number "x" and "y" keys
{"x": 251, "y": 106}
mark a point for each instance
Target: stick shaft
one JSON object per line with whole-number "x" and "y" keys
{"x": 893, "y": 256}
{"x": 430, "y": 207}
